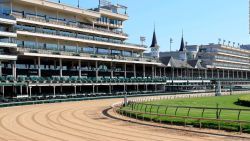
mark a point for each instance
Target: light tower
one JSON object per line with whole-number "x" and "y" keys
{"x": 155, "y": 47}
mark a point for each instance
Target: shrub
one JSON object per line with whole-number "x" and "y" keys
{"x": 244, "y": 100}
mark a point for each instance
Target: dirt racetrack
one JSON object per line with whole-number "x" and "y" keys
{"x": 91, "y": 121}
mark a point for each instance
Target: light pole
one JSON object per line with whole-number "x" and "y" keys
{"x": 142, "y": 39}
{"x": 78, "y": 4}
{"x": 171, "y": 41}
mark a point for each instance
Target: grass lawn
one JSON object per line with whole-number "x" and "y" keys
{"x": 222, "y": 101}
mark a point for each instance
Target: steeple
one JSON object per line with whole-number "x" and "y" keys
{"x": 182, "y": 43}
{"x": 154, "y": 40}
{"x": 155, "y": 53}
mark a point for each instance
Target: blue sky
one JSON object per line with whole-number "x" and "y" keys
{"x": 203, "y": 21}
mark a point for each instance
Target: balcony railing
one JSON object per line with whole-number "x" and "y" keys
{"x": 79, "y": 36}
{"x": 34, "y": 49}
{"x": 73, "y": 24}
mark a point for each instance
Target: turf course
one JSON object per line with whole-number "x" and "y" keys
{"x": 211, "y": 102}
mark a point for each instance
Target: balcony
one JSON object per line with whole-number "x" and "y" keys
{"x": 8, "y": 43}
{"x": 6, "y": 19}
{"x": 70, "y": 54}
{"x": 71, "y": 25}
{"x": 78, "y": 38}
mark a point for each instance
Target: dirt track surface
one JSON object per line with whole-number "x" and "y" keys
{"x": 89, "y": 121}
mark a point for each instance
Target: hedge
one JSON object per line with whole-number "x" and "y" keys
{"x": 244, "y": 100}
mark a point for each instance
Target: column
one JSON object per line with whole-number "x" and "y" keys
{"x": 233, "y": 74}
{"x": 61, "y": 68}
{"x": 54, "y": 91}
{"x": 223, "y": 71}
{"x": 134, "y": 70}
{"x": 125, "y": 70}
{"x": 218, "y": 73}
{"x": 181, "y": 72}
{"x": 206, "y": 73}
{"x": 14, "y": 69}
{"x": 110, "y": 90}
{"x": 39, "y": 66}
{"x": 237, "y": 74}
{"x": 30, "y": 91}
{"x": 21, "y": 90}
{"x": 228, "y": 74}
{"x": 152, "y": 71}
{"x": 144, "y": 71}
{"x": 246, "y": 74}
{"x": 160, "y": 71}
{"x": 164, "y": 71}
{"x": 3, "y": 91}
{"x": 172, "y": 68}
{"x": 96, "y": 69}
{"x": 75, "y": 89}
{"x": 1, "y": 69}
{"x": 212, "y": 73}
{"x": 177, "y": 72}
{"x": 79, "y": 68}
{"x": 112, "y": 69}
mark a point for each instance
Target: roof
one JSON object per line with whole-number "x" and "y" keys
{"x": 171, "y": 62}
{"x": 154, "y": 40}
{"x": 182, "y": 45}
{"x": 195, "y": 64}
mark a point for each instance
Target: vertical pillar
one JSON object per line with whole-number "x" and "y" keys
{"x": 96, "y": 69}
{"x": 172, "y": 68}
{"x": 54, "y": 90}
{"x": 134, "y": 70}
{"x": 39, "y": 66}
{"x": 93, "y": 88}
{"x": 61, "y": 68}
{"x": 177, "y": 72}
{"x": 125, "y": 70}
{"x": 218, "y": 73}
{"x": 160, "y": 72}
{"x": 241, "y": 74}
{"x": 3, "y": 91}
{"x": 233, "y": 74}
{"x": 144, "y": 70}
{"x": 181, "y": 72}
{"x": 212, "y": 73}
{"x": 14, "y": 69}
{"x": 75, "y": 89}
{"x": 110, "y": 90}
{"x": 246, "y": 75}
{"x": 228, "y": 74}
{"x": 206, "y": 73}
{"x": 164, "y": 71}
{"x": 30, "y": 91}
{"x": 223, "y": 73}
{"x": 137, "y": 88}
{"x": 40, "y": 90}
{"x": 112, "y": 69}
{"x": 152, "y": 71}
{"x": 1, "y": 69}
{"x": 79, "y": 68}
{"x": 21, "y": 90}
{"x": 237, "y": 74}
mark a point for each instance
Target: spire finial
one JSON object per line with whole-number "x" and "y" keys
{"x": 182, "y": 33}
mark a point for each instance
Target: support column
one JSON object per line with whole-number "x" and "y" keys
{"x": 152, "y": 71}
{"x": 134, "y": 70}
{"x": 192, "y": 73}
{"x": 79, "y": 68}
{"x": 3, "y": 91}
{"x": 246, "y": 75}
{"x": 206, "y": 73}
{"x": 21, "y": 90}
{"x": 40, "y": 90}
{"x": 160, "y": 72}
{"x": 93, "y": 88}
{"x": 212, "y": 73}
{"x": 144, "y": 70}
{"x": 164, "y": 71}
{"x": 233, "y": 74}
{"x": 14, "y": 69}
{"x": 112, "y": 69}
{"x": 30, "y": 91}
{"x": 39, "y": 66}
{"x": 96, "y": 69}
{"x": 110, "y": 89}
{"x": 228, "y": 74}
{"x": 75, "y": 89}
{"x": 125, "y": 70}
{"x": 237, "y": 74}
{"x": 61, "y": 68}
{"x": 218, "y": 73}
{"x": 1, "y": 68}
{"x": 223, "y": 71}
{"x": 54, "y": 91}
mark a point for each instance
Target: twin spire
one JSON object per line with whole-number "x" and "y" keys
{"x": 155, "y": 44}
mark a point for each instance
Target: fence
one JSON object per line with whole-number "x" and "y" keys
{"x": 226, "y": 118}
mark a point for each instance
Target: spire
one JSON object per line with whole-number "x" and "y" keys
{"x": 182, "y": 43}
{"x": 154, "y": 40}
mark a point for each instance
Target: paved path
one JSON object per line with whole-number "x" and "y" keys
{"x": 87, "y": 121}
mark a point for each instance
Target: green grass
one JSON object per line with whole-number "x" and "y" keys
{"x": 223, "y": 102}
